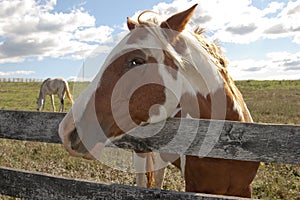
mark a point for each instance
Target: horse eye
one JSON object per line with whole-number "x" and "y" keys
{"x": 136, "y": 62}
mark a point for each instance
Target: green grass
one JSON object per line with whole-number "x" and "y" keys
{"x": 23, "y": 96}
{"x": 268, "y": 101}
{"x": 272, "y": 101}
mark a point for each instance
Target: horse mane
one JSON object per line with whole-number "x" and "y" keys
{"x": 45, "y": 81}
{"x": 153, "y": 21}
{"x": 215, "y": 51}
{"x": 212, "y": 48}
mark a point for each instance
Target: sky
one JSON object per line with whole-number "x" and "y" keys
{"x": 53, "y": 38}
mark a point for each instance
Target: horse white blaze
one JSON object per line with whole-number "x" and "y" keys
{"x": 172, "y": 91}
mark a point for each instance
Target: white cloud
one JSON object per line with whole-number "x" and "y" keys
{"x": 276, "y": 65}
{"x": 32, "y": 29}
{"x": 273, "y": 7}
{"x": 12, "y": 73}
{"x": 238, "y": 21}
{"x": 102, "y": 34}
{"x": 35, "y": 30}
{"x": 286, "y": 24}
{"x": 11, "y": 60}
{"x": 297, "y": 39}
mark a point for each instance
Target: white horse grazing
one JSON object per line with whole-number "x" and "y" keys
{"x": 50, "y": 87}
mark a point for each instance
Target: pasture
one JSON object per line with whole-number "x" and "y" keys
{"x": 268, "y": 101}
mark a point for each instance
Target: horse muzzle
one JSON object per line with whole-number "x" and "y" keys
{"x": 74, "y": 143}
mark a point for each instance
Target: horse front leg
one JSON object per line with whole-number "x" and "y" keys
{"x": 139, "y": 161}
{"x": 150, "y": 170}
{"x": 52, "y": 102}
{"x": 43, "y": 102}
{"x": 159, "y": 177}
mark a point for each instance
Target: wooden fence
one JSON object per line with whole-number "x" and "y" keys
{"x": 20, "y": 80}
{"x": 240, "y": 141}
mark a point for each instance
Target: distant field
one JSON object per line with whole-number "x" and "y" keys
{"x": 268, "y": 101}
{"x": 23, "y": 96}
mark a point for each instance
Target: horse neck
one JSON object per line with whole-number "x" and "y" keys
{"x": 236, "y": 108}
{"x": 220, "y": 105}
{"x": 41, "y": 94}
{"x": 217, "y": 99}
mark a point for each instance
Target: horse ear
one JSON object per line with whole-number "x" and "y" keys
{"x": 131, "y": 24}
{"x": 178, "y": 21}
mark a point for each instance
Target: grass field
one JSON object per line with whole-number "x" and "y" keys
{"x": 268, "y": 101}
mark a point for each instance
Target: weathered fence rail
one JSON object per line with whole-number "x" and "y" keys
{"x": 20, "y": 80}
{"x": 223, "y": 139}
{"x": 32, "y": 185}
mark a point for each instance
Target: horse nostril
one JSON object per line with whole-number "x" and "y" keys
{"x": 76, "y": 142}
{"x": 74, "y": 139}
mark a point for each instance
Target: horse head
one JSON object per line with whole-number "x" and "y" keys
{"x": 140, "y": 83}
{"x": 158, "y": 70}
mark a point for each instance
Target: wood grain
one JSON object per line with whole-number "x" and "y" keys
{"x": 32, "y": 185}
{"x": 218, "y": 139}
{"x": 210, "y": 138}
{"x": 30, "y": 126}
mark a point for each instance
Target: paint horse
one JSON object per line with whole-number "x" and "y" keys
{"x": 50, "y": 87}
{"x": 161, "y": 70}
